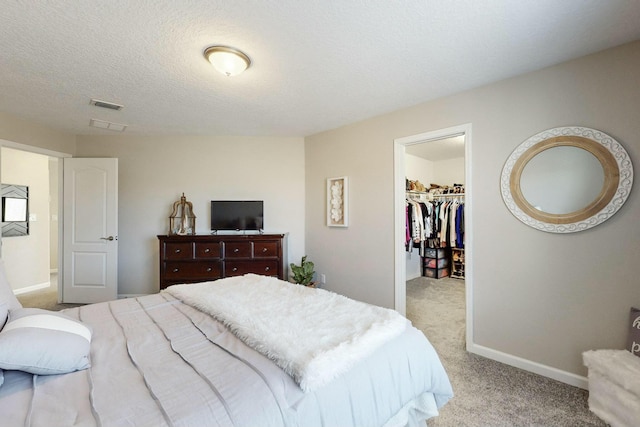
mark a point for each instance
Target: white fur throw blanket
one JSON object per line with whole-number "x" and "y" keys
{"x": 312, "y": 334}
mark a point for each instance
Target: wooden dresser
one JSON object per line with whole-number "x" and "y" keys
{"x": 200, "y": 258}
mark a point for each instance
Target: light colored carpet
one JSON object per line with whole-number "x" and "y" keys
{"x": 487, "y": 393}
{"x": 45, "y": 298}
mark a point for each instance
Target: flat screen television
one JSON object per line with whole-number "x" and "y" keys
{"x": 237, "y": 215}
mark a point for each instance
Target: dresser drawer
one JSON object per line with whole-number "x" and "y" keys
{"x": 205, "y": 257}
{"x": 265, "y": 249}
{"x": 237, "y": 250}
{"x": 238, "y": 268}
{"x": 201, "y": 270}
{"x": 178, "y": 250}
{"x": 207, "y": 250}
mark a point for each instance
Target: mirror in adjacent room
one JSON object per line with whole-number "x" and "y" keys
{"x": 566, "y": 179}
{"x": 15, "y": 210}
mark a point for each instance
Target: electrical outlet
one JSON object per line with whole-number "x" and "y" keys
{"x": 323, "y": 279}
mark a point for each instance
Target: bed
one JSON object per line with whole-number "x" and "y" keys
{"x": 169, "y": 359}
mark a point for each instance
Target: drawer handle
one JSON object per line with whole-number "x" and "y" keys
{"x": 264, "y": 249}
{"x": 209, "y": 269}
{"x": 234, "y": 269}
{"x": 206, "y": 251}
{"x": 175, "y": 270}
{"x": 178, "y": 251}
{"x": 236, "y": 250}
{"x": 267, "y": 269}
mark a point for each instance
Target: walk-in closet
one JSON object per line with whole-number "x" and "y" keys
{"x": 434, "y": 205}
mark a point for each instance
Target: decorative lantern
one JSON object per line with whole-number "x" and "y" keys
{"x": 182, "y": 220}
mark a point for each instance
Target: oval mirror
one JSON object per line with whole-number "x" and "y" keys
{"x": 566, "y": 179}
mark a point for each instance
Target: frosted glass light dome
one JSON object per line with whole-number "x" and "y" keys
{"x": 227, "y": 60}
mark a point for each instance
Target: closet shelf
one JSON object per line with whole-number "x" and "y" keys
{"x": 457, "y": 263}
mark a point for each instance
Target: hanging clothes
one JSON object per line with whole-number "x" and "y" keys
{"x": 434, "y": 224}
{"x": 418, "y": 224}
{"x": 460, "y": 226}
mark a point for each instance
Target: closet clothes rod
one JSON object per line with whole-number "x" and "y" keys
{"x": 449, "y": 195}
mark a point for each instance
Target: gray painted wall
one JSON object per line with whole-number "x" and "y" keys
{"x": 542, "y": 297}
{"x": 155, "y": 171}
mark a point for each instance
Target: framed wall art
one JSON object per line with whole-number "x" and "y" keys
{"x": 338, "y": 202}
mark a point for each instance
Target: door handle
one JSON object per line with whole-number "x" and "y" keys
{"x": 110, "y": 238}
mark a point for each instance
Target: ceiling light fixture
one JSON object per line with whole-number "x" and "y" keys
{"x": 227, "y": 60}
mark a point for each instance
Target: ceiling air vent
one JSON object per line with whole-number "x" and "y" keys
{"x": 101, "y": 124}
{"x": 105, "y": 104}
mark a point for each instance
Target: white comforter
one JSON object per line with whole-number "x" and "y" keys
{"x": 313, "y": 334}
{"x": 159, "y": 362}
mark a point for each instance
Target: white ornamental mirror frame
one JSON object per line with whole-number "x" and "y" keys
{"x": 617, "y": 179}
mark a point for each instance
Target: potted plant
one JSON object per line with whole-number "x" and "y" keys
{"x": 303, "y": 273}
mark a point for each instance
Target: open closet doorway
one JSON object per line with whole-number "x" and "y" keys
{"x": 432, "y": 181}
{"x": 435, "y": 202}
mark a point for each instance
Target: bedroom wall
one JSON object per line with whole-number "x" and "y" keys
{"x": 22, "y": 131}
{"x": 154, "y": 171}
{"x": 543, "y": 298}
{"x": 26, "y": 258}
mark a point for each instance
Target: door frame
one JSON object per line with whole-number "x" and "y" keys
{"x": 59, "y": 155}
{"x": 400, "y": 276}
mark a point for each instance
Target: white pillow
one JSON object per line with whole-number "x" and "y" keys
{"x": 4, "y": 313}
{"x": 8, "y": 300}
{"x": 44, "y": 342}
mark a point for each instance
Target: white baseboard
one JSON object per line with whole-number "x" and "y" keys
{"x": 530, "y": 366}
{"x": 31, "y": 288}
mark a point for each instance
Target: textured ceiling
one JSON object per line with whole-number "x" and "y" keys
{"x": 316, "y": 65}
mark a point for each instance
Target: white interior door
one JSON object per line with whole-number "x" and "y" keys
{"x": 90, "y": 230}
